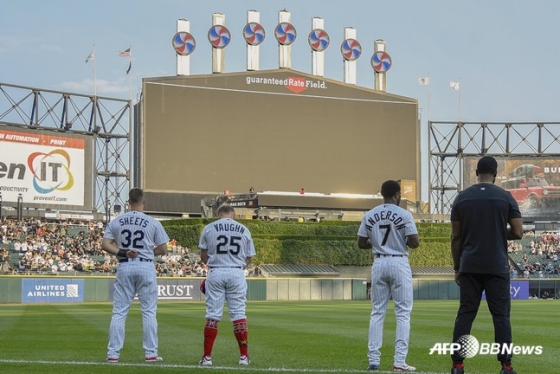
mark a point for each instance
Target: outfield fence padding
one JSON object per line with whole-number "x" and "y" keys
{"x": 71, "y": 289}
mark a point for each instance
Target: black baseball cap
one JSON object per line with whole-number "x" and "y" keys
{"x": 487, "y": 165}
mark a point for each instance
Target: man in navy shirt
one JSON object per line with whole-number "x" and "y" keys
{"x": 479, "y": 223}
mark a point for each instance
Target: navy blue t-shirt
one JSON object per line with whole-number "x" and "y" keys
{"x": 484, "y": 211}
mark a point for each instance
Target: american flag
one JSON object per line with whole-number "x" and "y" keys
{"x": 126, "y": 53}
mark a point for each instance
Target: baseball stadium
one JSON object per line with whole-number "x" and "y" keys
{"x": 302, "y": 160}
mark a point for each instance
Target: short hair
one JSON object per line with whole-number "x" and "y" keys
{"x": 225, "y": 209}
{"x": 135, "y": 195}
{"x": 487, "y": 165}
{"x": 390, "y": 188}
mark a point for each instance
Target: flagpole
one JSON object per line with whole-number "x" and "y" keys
{"x": 130, "y": 75}
{"x": 459, "y": 99}
{"x": 429, "y": 97}
{"x": 94, "y": 81}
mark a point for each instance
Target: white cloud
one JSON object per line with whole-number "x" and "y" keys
{"x": 102, "y": 86}
{"x": 50, "y": 47}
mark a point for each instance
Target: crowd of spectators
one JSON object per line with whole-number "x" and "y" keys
{"x": 48, "y": 247}
{"x": 40, "y": 247}
{"x": 545, "y": 248}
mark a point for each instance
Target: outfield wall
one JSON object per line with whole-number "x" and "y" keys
{"x": 61, "y": 289}
{"x": 57, "y": 289}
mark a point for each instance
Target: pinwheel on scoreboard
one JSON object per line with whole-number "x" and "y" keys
{"x": 351, "y": 49}
{"x": 381, "y": 62}
{"x": 183, "y": 43}
{"x": 319, "y": 40}
{"x": 285, "y": 33}
{"x": 253, "y": 33}
{"x": 219, "y": 36}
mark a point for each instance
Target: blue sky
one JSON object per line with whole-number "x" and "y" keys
{"x": 505, "y": 53}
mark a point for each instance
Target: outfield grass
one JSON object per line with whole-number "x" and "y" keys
{"x": 294, "y": 337}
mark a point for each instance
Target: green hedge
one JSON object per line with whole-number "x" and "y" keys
{"x": 327, "y": 242}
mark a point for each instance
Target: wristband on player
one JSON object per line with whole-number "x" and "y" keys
{"x": 122, "y": 253}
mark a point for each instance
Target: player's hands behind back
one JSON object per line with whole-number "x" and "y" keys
{"x": 132, "y": 253}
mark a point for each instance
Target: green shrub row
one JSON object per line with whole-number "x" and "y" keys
{"x": 328, "y": 242}
{"x": 345, "y": 252}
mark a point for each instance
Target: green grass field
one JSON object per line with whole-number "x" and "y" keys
{"x": 293, "y": 337}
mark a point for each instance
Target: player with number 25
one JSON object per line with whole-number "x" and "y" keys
{"x": 226, "y": 246}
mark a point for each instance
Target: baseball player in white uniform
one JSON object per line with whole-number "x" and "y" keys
{"x": 387, "y": 229}
{"x": 135, "y": 238}
{"x": 226, "y": 246}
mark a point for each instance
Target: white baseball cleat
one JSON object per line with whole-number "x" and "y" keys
{"x": 205, "y": 361}
{"x": 403, "y": 367}
{"x": 244, "y": 360}
{"x": 112, "y": 360}
{"x": 154, "y": 359}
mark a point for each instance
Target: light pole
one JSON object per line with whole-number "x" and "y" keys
{"x": 107, "y": 212}
{"x": 20, "y": 207}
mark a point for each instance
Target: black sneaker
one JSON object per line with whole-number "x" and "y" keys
{"x": 373, "y": 367}
{"x": 456, "y": 370}
{"x": 507, "y": 370}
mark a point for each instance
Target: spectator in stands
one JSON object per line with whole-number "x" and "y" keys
{"x": 21, "y": 266}
{"x": 6, "y": 269}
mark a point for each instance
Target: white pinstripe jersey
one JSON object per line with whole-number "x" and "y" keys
{"x": 138, "y": 231}
{"x": 228, "y": 243}
{"x": 387, "y": 227}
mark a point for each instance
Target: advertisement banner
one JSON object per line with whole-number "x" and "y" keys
{"x": 518, "y": 290}
{"x": 43, "y": 169}
{"x": 172, "y": 289}
{"x": 42, "y": 290}
{"x": 533, "y": 182}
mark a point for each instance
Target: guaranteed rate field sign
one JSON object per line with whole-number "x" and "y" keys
{"x": 45, "y": 169}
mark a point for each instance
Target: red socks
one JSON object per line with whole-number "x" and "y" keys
{"x": 210, "y": 333}
{"x": 241, "y": 334}
{"x": 239, "y": 330}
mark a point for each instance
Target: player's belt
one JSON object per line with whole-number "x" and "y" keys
{"x": 380, "y": 255}
{"x": 225, "y": 267}
{"x": 121, "y": 260}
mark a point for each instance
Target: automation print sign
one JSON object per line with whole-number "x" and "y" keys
{"x": 42, "y": 169}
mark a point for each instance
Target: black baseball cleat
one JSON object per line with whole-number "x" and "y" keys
{"x": 507, "y": 369}
{"x": 373, "y": 367}
{"x": 457, "y": 370}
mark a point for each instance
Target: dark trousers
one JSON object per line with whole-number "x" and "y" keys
{"x": 497, "y": 289}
